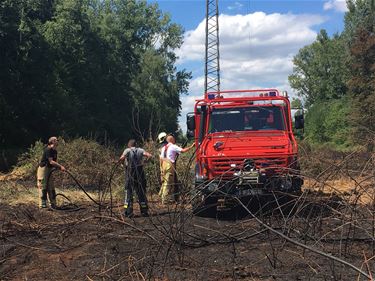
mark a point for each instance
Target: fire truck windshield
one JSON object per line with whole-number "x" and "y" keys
{"x": 251, "y": 118}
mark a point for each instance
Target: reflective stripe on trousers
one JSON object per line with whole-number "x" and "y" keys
{"x": 135, "y": 181}
{"x": 168, "y": 176}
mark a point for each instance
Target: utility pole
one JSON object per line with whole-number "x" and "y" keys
{"x": 212, "y": 55}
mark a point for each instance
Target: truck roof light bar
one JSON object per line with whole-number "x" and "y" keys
{"x": 243, "y": 93}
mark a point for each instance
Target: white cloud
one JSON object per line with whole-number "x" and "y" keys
{"x": 256, "y": 51}
{"x": 337, "y": 5}
{"x": 253, "y": 36}
{"x": 196, "y": 90}
{"x": 235, "y": 6}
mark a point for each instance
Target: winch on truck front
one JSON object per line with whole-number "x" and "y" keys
{"x": 245, "y": 145}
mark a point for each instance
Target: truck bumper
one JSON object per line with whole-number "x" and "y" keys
{"x": 218, "y": 196}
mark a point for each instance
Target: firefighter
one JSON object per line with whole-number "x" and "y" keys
{"x": 44, "y": 180}
{"x": 168, "y": 158}
{"x": 162, "y": 139}
{"x": 135, "y": 179}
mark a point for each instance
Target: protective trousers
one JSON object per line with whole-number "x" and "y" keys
{"x": 135, "y": 180}
{"x": 168, "y": 173}
{"x": 46, "y": 186}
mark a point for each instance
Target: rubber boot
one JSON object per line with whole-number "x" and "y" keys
{"x": 52, "y": 199}
{"x": 128, "y": 211}
{"x": 144, "y": 209}
{"x": 43, "y": 199}
{"x": 43, "y": 204}
{"x": 145, "y": 214}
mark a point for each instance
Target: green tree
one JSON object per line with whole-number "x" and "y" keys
{"x": 157, "y": 85}
{"x": 360, "y": 35}
{"x": 87, "y": 67}
{"x": 336, "y": 77}
{"x": 325, "y": 123}
{"x": 319, "y": 71}
{"x": 296, "y": 103}
{"x": 117, "y": 76}
{"x": 320, "y": 76}
{"x": 25, "y": 74}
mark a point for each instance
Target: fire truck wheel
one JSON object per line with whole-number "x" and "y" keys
{"x": 204, "y": 206}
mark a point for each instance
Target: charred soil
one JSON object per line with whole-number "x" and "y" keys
{"x": 172, "y": 244}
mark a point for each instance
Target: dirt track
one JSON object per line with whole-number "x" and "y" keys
{"x": 170, "y": 245}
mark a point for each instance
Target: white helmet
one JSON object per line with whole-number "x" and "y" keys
{"x": 162, "y": 136}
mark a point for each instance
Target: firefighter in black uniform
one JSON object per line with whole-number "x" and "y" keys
{"x": 135, "y": 179}
{"x": 44, "y": 180}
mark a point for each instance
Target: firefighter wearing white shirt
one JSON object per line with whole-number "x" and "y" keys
{"x": 168, "y": 158}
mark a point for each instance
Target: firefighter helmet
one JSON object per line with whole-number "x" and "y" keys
{"x": 162, "y": 136}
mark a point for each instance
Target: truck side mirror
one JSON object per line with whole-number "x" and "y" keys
{"x": 190, "y": 121}
{"x": 190, "y": 134}
{"x": 299, "y": 121}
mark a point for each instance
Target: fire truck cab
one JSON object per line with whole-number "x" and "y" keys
{"x": 245, "y": 146}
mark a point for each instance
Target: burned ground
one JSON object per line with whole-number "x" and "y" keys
{"x": 325, "y": 233}
{"x": 171, "y": 244}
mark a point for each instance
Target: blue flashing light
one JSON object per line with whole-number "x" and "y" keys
{"x": 211, "y": 96}
{"x": 272, "y": 94}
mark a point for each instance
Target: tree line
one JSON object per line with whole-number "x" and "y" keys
{"x": 335, "y": 76}
{"x": 104, "y": 68}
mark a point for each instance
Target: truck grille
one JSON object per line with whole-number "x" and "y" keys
{"x": 222, "y": 167}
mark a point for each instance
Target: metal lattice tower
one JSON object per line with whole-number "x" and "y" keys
{"x": 212, "y": 58}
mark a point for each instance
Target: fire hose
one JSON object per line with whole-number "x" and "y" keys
{"x": 76, "y": 181}
{"x": 109, "y": 186}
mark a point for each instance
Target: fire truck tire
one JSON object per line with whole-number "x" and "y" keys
{"x": 204, "y": 206}
{"x": 297, "y": 183}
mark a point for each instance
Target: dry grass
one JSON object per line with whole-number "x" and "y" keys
{"x": 15, "y": 193}
{"x": 349, "y": 188}
{"x": 93, "y": 165}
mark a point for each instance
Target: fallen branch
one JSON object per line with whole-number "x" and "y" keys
{"x": 303, "y": 245}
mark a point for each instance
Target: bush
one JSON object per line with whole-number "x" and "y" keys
{"x": 86, "y": 159}
{"x": 93, "y": 166}
{"x": 28, "y": 162}
{"x": 316, "y": 160}
{"x": 89, "y": 161}
{"x": 327, "y": 124}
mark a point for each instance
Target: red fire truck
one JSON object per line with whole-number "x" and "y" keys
{"x": 245, "y": 147}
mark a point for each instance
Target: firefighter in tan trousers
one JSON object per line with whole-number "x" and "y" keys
{"x": 168, "y": 157}
{"x": 44, "y": 179}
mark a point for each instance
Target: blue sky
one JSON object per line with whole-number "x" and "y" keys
{"x": 189, "y": 13}
{"x": 258, "y": 40}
